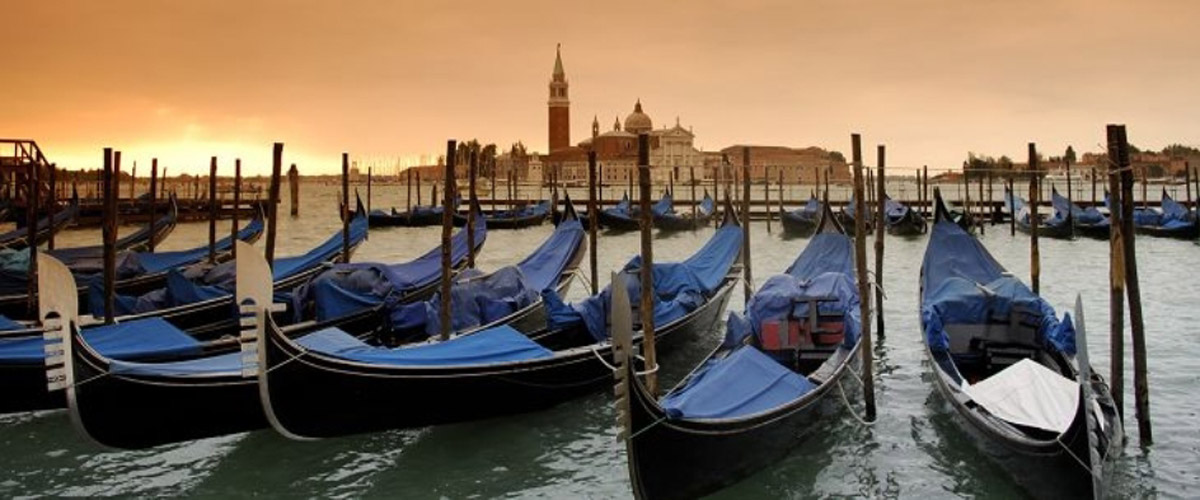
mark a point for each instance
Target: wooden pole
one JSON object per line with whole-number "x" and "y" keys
{"x": 31, "y": 222}
{"x": 345, "y": 207}
{"x": 273, "y": 201}
{"x": 1145, "y": 195}
{"x": 1070, "y": 195}
{"x": 418, "y": 188}
{"x": 294, "y": 188}
{"x": 1141, "y": 385}
{"x": 110, "y": 238}
{"x": 864, "y": 286}
{"x": 153, "y": 195}
{"x": 1195, "y": 180}
{"x": 1116, "y": 276}
{"x": 695, "y": 203}
{"x": 1035, "y": 263}
{"x": 925, "y": 188}
{"x": 982, "y": 207}
{"x": 1093, "y": 186}
{"x": 50, "y": 207}
{"x": 493, "y": 195}
{"x": 369, "y": 190}
{"x": 212, "y": 210}
{"x": 767, "y": 194}
{"x": 920, "y": 198}
{"x": 593, "y": 206}
{"x": 1187, "y": 181}
{"x": 408, "y": 195}
{"x": 967, "y": 198}
{"x": 880, "y": 195}
{"x": 991, "y": 198}
{"x": 433, "y": 192}
{"x": 647, "y": 269}
{"x": 447, "y": 223}
{"x": 717, "y": 192}
{"x": 473, "y": 166}
{"x": 237, "y": 205}
{"x": 132, "y": 181}
{"x": 599, "y": 187}
{"x": 747, "y": 274}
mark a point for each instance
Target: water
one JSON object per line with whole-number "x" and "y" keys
{"x": 913, "y": 450}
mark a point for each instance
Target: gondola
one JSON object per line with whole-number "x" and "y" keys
{"x": 1088, "y": 222}
{"x": 139, "y": 241}
{"x": 522, "y": 217}
{"x": 1059, "y": 225}
{"x": 623, "y": 217}
{"x": 18, "y": 239}
{"x": 761, "y": 392}
{"x": 328, "y": 383}
{"x": 507, "y": 296}
{"x": 901, "y": 220}
{"x": 164, "y": 348}
{"x": 199, "y": 299}
{"x": 1172, "y": 220}
{"x": 801, "y": 221}
{"x": 1008, "y": 368}
{"x": 846, "y": 217}
{"x": 137, "y": 272}
{"x": 670, "y": 220}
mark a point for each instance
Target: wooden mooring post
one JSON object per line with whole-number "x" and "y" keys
{"x": 273, "y": 201}
{"x": 593, "y": 206}
{"x": 212, "y": 211}
{"x": 345, "y": 208}
{"x": 447, "y": 223}
{"x": 1070, "y": 195}
{"x": 112, "y": 172}
{"x": 369, "y": 191}
{"x": 983, "y": 209}
{"x": 153, "y": 196}
{"x": 747, "y": 273}
{"x": 53, "y": 201}
{"x": 474, "y": 167}
{"x": 1035, "y": 257}
{"x": 1010, "y": 201}
{"x": 864, "y": 285}
{"x": 32, "y": 193}
{"x": 237, "y": 204}
{"x": 294, "y": 189}
{"x": 880, "y": 217}
{"x": 692, "y": 184}
{"x": 1141, "y": 385}
{"x": 767, "y": 194}
{"x": 1116, "y": 280}
{"x": 647, "y": 270}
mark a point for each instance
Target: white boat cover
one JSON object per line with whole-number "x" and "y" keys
{"x": 1029, "y": 394}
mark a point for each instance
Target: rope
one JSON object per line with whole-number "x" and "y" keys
{"x": 1086, "y": 466}
{"x": 596, "y": 350}
{"x": 853, "y": 413}
{"x": 586, "y": 281}
{"x": 646, "y": 428}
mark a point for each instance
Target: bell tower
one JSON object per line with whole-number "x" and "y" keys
{"x": 560, "y": 106}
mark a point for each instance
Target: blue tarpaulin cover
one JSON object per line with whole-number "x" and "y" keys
{"x": 963, "y": 284}
{"x": 663, "y": 206}
{"x": 743, "y": 383}
{"x": 494, "y": 345}
{"x": 8, "y": 324}
{"x": 129, "y": 340}
{"x": 679, "y": 287}
{"x": 1090, "y": 216}
{"x": 894, "y": 210}
{"x": 1058, "y": 217}
{"x": 185, "y": 288}
{"x": 350, "y": 287}
{"x": 825, "y": 269}
{"x": 209, "y": 365}
{"x": 478, "y": 301}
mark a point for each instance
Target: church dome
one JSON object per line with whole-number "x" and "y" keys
{"x": 637, "y": 121}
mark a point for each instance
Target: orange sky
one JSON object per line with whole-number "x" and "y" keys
{"x": 932, "y": 79}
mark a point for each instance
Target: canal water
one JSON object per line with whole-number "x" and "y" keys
{"x": 913, "y": 449}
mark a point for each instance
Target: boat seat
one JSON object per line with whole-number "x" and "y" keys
{"x": 1019, "y": 328}
{"x": 791, "y": 340}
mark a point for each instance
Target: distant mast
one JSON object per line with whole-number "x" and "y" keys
{"x": 560, "y": 106}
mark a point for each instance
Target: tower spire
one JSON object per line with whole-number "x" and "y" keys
{"x": 559, "y": 74}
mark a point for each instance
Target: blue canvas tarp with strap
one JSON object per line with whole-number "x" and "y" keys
{"x": 494, "y": 345}
{"x": 346, "y": 288}
{"x": 743, "y": 383}
{"x": 963, "y": 284}
{"x": 143, "y": 338}
{"x": 679, "y": 287}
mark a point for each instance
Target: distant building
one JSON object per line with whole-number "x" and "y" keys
{"x": 673, "y": 154}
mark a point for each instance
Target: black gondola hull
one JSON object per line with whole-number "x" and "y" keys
{"x": 912, "y": 224}
{"x": 404, "y": 219}
{"x": 796, "y": 224}
{"x": 316, "y": 396}
{"x": 1189, "y": 232}
{"x": 1046, "y": 469}
{"x": 460, "y": 220}
{"x": 688, "y": 459}
{"x": 123, "y": 411}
